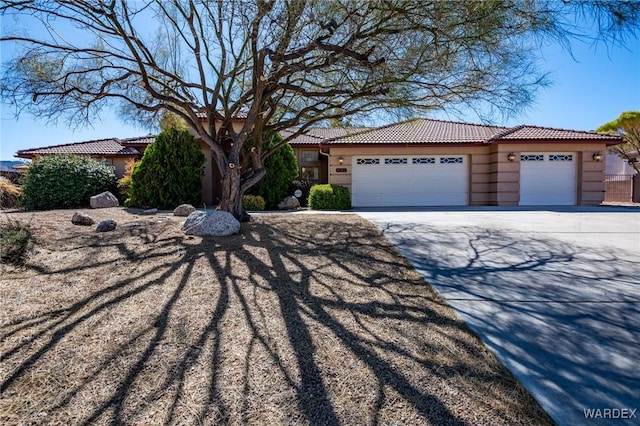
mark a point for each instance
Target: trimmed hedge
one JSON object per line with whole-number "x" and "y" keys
{"x": 329, "y": 197}
{"x": 169, "y": 173}
{"x": 65, "y": 181}
{"x": 253, "y": 202}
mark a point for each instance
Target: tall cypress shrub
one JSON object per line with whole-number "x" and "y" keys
{"x": 169, "y": 173}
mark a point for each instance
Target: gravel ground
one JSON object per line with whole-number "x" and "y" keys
{"x": 299, "y": 319}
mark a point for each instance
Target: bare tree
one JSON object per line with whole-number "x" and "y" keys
{"x": 280, "y": 64}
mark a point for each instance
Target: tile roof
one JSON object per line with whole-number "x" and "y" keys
{"x": 316, "y": 135}
{"x": 416, "y": 131}
{"x": 422, "y": 131}
{"x": 141, "y": 140}
{"x": 107, "y": 147}
{"x": 429, "y": 131}
{"x": 537, "y": 133}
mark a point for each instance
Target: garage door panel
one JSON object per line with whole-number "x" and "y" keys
{"x": 410, "y": 181}
{"x": 548, "y": 179}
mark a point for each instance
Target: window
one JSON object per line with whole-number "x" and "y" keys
{"x": 395, "y": 161}
{"x": 309, "y": 156}
{"x": 531, "y": 157}
{"x": 424, "y": 160}
{"x": 450, "y": 160}
{"x": 561, "y": 157}
{"x": 365, "y": 161}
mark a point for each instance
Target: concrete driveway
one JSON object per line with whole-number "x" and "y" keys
{"x": 554, "y": 292}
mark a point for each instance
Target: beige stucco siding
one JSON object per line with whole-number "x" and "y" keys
{"x": 493, "y": 179}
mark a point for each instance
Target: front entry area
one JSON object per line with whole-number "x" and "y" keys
{"x": 410, "y": 180}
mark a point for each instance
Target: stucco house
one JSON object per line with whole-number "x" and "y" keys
{"x": 425, "y": 162}
{"x": 113, "y": 151}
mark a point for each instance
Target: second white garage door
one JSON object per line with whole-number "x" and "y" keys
{"x": 547, "y": 179}
{"x": 419, "y": 180}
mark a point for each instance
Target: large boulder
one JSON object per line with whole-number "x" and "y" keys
{"x": 103, "y": 200}
{"x": 82, "y": 219}
{"x": 216, "y": 223}
{"x": 106, "y": 226}
{"x": 289, "y": 203}
{"x": 184, "y": 210}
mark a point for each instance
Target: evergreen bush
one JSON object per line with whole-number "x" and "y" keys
{"x": 169, "y": 173}
{"x": 282, "y": 169}
{"x": 65, "y": 181}
{"x": 15, "y": 241}
{"x": 253, "y": 202}
{"x": 329, "y": 197}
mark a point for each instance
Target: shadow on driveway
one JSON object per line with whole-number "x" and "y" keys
{"x": 563, "y": 316}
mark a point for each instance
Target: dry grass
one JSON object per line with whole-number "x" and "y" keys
{"x": 9, "y": 194}
{"x": 297, "y": 320}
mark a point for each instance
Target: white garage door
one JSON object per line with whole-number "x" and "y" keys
{"x": 547, "y": 179}
{"x": 413, "y": 180}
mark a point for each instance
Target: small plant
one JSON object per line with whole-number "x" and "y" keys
{"x": 253, "y": 202}
{"x": 65, "y": 181}
{"x": 329, "y": 197}
{"x": 9, "y": 194}
{"x": 124, "y": 183}
{"x": 15, "y": 242}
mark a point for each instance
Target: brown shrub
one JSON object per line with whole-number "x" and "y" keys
{"x": 9, "y": 194}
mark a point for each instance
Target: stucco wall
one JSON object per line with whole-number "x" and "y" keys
{"x": 118, "y": 163}
{"x": 493, "y": 179}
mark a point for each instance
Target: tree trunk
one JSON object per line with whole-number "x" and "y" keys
{"x": 231, "y": 200}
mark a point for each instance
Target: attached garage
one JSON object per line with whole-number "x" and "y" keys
{"x": 548, "y": 179}
{"x": 426, "y": 162}
{"x": 410, "y": 180}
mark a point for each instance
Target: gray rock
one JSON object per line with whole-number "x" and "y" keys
{"x": 82, "y": 219}
{"x": 215, "y": 223}
{"x": 149, "y": 211}
{"x": 289, "y": 203}
{"x": 184, "y": 210}
{"x": 106, "y": 226}
{"x": 103, "y": 200}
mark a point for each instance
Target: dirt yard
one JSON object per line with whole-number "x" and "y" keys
{"x": 299, "y": 319}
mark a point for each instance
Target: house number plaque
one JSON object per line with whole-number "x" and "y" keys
{"x": 341, "y": 170}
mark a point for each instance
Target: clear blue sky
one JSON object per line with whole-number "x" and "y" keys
{"x": 587, "y": 91}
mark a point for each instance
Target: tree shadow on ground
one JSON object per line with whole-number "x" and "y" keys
{"x": 564, "y": 317}
{"x": 295, "y": 320}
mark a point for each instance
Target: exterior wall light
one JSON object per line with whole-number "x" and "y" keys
{"x": 341, "y": 160}
{"x": 597, "y": 156}
{"x": 511, "y": 157}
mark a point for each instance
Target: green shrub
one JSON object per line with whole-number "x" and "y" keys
{"x": 9, "y": 194}
{"x": 253, "y": 202}
{"x": 169, "y": 173}
{"x": 282, "y": 169}
{"x": 15, "y": 241}
{"x": 65, "y": 181}
{"x": 329, "y": 197}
